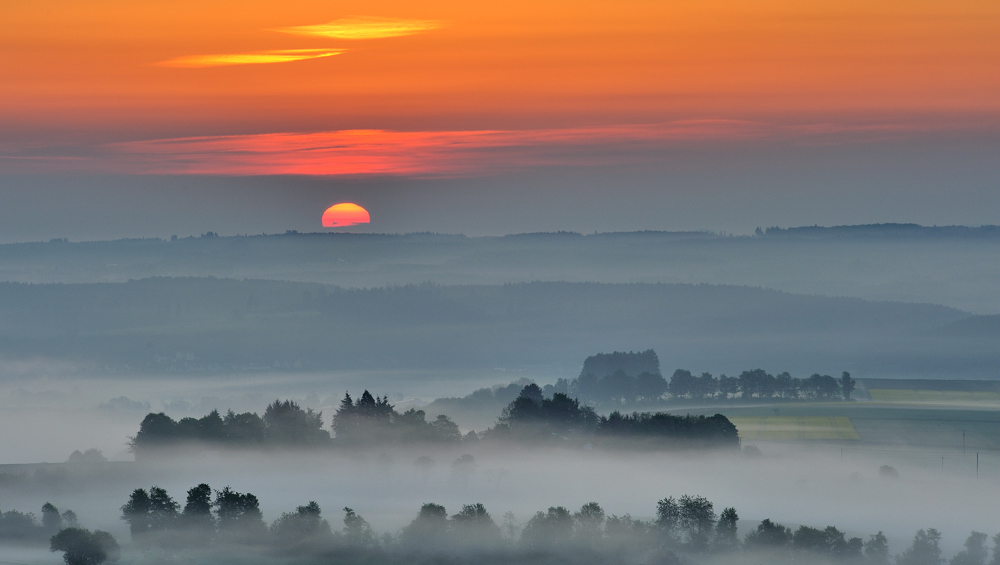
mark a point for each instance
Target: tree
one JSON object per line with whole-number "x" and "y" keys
{"x": 548, "y": 530}
{"x": 69, "y": 519}
{"x": 289, "y": 425}
{"x": 768, "y": 535}
{"x": 877, "y": 549}
{"x": 197, "y": 515}
{"x": 51, "y": 519}
{"x": 136, "y": 513}
{"x": 846, "y": 385}
{"x": 649, "y": 386}
{"x": 728, "y": 386}
{"x": 725, "y": 530}
{"x": 696, "y": 520}
{"x": 162, "y": 510}
{"x": 996, "y": 550}
{"x": 238, "y": 515}
{"x": 304, "y": 526}
{"x": 428, "y": 530}
{"x": 682, "y": 383}
{"x": 445, "y": 429}
{"x": 474, "y": 526}
{"x": 975, "y": 552}
{"x": 925, "y": 549}
{"x": 357, "y": 531}
{"x": 668, "y": 515}
{"x": 589, "y": 523}
{"x": 83, "y": 547}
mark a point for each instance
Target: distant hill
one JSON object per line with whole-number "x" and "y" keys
{"x": 885, "y": 230}
{"x": 207, "y": 324}
{"x": 952, "y": 265}
{"x": 975, "y": 326}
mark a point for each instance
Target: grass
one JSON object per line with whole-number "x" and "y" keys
{"x": 777, "y": 428}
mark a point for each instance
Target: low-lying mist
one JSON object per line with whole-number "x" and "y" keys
{"x": 787, "y": 485}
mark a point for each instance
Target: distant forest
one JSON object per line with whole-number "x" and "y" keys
{"x": 687, "y": 529}
{"x": 373, "y": 421}
{"x": 200, "y": 325}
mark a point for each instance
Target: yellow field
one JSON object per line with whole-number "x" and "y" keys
{"x": 795, "y": 427}
{"x": 907, "y": 396}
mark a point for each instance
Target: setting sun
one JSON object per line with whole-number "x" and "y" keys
{"x": 345, "y": 214}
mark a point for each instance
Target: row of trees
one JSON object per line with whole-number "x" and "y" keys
{"x": 683, "y": 529}
{"x": 374, "y": 421}
{"x": 533, "y": 416}
{"x": 284, "y": 423}
{"x": 25, "y": 526}
{"x": 758, "y": 383}
{"x": 619, "y": 388}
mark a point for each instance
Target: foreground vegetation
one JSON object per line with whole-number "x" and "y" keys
{"x": 685, "y": 530}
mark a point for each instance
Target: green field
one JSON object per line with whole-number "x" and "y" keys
{"x": 786, "y": 428}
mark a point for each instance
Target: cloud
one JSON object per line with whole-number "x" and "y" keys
{"x": 416, "y": 153}
{"x": 364, "y": 27}
{"x": 255, "y": 58}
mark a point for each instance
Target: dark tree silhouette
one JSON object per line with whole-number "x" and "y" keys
{"x": 548, "y": 530}
{"x": 768, "y": 535}
{"x": 136, "y": 512}
{"x": 197, "y": 515}
{"x": 975, "y": 552}
{"x": 357, "y": 531}
{"x": 925, "y": 549}
{"x": 474, "y": 527}
{"x": 877, "y": 549}
{"x": 52, "y": 521}
{"x": 83, "y": 547}
{"x": 238, "y": 515}
{"x": 725, "y": 530}
{"x": 429, "y": 530}
{"x": 305, "y": 526}
{"x": 846, "y": 385}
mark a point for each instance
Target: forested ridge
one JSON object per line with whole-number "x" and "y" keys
{"x": 220, "y": 325}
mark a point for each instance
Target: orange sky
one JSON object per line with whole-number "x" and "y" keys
{"x": 122, "y": 70}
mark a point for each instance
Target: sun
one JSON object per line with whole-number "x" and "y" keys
{"x": 345, "y": 214}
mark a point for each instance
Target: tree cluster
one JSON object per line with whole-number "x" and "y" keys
{"x": 372, "y": 420}
{"x": 25, "y": 527}
{"x": 284, "y": 424}
{"x": 532, "y": 416}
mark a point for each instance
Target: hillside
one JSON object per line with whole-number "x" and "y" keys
{"x": 208, "y": 324}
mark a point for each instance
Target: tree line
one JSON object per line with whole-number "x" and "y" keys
{"x": 373, "y": 420}
{"x": 684, "y": 530}
{"x": 619, "y": 388}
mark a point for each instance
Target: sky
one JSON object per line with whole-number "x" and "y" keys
{"x": 129, "y": 119}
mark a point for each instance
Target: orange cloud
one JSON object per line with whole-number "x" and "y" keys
{"x": 446, "y": 153}
{"x": 256, "y": 58}
{"x": 363, "y": 27}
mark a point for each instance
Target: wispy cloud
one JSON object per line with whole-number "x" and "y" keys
{"x": 254, "y": 58}
{"x": 429, "y": 153}
{"x": 364, "y": 27}
{"x": 435, "y": 153}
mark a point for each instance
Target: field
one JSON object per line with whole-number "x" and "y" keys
{"x": 795, "y": 428}
{"x": 944, "y": 397}
{"x": 930, "y": 424}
